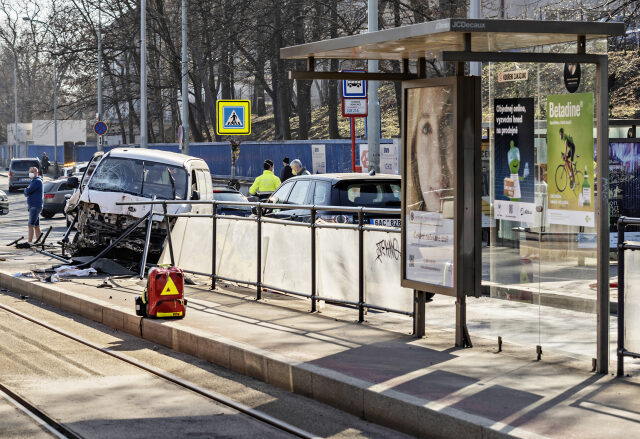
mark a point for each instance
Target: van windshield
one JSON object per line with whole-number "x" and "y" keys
{"x": 140, "y": 178}
{"x": 24, "y": 165}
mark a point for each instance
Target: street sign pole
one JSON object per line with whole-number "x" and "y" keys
{"x": 353, "y": 144}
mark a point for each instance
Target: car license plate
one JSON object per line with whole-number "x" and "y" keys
{"x": 386, "y": 222}
{"x": 25, "y": 179}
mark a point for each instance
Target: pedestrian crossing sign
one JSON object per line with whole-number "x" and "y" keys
{"x": 233, "y": 117}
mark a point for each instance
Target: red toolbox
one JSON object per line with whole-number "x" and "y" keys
{"x": 164, "y": 295}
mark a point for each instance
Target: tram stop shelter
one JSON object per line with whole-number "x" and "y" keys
{"x": 500, "y": 192}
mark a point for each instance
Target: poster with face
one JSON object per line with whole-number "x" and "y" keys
{"x": 430, "y": 185}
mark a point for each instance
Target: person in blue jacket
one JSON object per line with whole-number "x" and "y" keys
{"x": 35, "y": 200}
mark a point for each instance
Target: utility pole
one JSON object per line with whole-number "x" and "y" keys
{"x": 373, "y": 119}
{"x": 99, "y": 67}
{"x": 474, "y": 12}
{"x": 55, "y": 107}
{"x": 15, "y": 103}
{"x": 185, "y": 84}
{"x": 143, "y": 74}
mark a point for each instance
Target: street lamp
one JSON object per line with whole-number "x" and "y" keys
{"x": 15, "y": 102}
{"x": 55, "y": 94}
{"x": 99, "y": 68}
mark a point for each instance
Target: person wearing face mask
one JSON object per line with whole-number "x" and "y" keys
{"x": 35, "y": 201}
{"x": 298, "y": 169}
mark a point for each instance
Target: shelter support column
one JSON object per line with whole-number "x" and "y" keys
{"x": 602, "y": 214}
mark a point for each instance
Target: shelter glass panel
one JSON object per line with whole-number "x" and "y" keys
{"x": 538, "y": 189}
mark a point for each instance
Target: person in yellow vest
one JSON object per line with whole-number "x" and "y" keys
{"x": 267, "y": 182}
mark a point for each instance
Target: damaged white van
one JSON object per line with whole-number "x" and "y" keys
{"x": 133, "y": 174}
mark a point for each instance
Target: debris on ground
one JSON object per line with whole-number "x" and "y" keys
{"x": 111, "y": 267}
{"x": 70, "y": 270}
{"x": 105, "y": 284}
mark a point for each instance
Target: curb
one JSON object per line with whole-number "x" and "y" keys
{"x": 388, "y": 408}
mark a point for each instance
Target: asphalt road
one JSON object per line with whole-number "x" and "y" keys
{"x": 98, "y": 396}
{"x": 14, "y": 225}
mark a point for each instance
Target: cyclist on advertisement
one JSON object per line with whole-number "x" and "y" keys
{"x": 569, "y": 149}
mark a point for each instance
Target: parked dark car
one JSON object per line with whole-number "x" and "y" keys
{"x": 349, "y": 190}
{"x": 55, "y": 193}
{"x": 19, "y": 172}
{"x": 225, "y": 193}
{"x": 4, "y": 203}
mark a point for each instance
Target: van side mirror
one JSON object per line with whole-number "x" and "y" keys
{"x": 73, "y": 182}
{"x": 195, "y": 195}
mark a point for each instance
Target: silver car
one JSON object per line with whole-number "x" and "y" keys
{"x": 4, "y": 203}
{"x": 55, "y": 197}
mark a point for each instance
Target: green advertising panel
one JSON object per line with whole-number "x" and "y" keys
{"x": 570, "y": 159}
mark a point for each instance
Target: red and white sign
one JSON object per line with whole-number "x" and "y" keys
{"x": 354, "y": 107}
{"x": 364, "y": 157}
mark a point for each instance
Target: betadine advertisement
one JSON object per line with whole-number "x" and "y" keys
{"x": 570, "y": 159}
{"x": 514, "y": 156}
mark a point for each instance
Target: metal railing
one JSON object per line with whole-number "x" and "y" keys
{"x": 623, "y": 223}
{"x": 259, "y": 218}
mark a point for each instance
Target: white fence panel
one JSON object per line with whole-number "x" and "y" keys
{"x": 286, "y": 258}
{"x": 632, "y": 301}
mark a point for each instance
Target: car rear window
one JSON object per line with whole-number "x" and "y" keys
{"x": 370, "y": 194}
{"x": 48, "y": 187}
{"x": 231, "y": 196}
{"x": 24, "y": 165}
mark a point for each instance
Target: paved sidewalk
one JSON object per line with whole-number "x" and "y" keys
{"x": 376, "y": 370}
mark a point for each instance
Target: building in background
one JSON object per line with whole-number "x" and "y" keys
{"x": 68, "y": 131}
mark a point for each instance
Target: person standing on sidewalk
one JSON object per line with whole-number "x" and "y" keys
{"x": 267, "y": 182}
{"x": 298, "y": 169}
{"x": 286, "y": 170}
{"x": 35, "y": 201}
{"x": 45, "y": 163}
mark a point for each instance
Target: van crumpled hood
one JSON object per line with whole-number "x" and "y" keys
{"x": 107, "y": 204}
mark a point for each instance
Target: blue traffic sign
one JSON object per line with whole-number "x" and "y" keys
{"x": 354, "y": 88}
{"x": 100, "y": 128}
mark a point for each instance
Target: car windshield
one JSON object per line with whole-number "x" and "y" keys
{"x": 140, "y": 178}
{"x": 231, "y": 196}
{"x": 24, "y": 165}
{"x": 370, "y": 194}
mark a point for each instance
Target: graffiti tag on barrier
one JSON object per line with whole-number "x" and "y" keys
{"x": 388, "y": 248}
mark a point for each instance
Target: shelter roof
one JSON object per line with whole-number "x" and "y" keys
{"x": 430, "y": 38}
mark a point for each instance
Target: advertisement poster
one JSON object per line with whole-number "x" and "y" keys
{"x": 514, "y": 160}
{"x": 431, "y": 173}
{"x": 570, "y": 159}
{"x": 624, "y": 180}
{"x": 318, "y": 159}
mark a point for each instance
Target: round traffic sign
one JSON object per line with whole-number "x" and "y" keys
{"x": 100, "y": 128}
